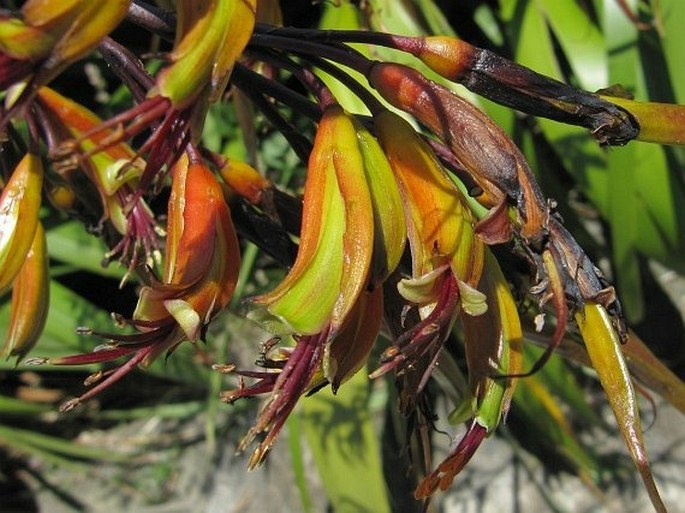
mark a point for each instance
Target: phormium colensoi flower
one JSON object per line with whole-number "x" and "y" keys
{"x": 48, "y": 37}
{"x": 114, "y": 173}
{"x": 322, "y": 300}
{"x": 210, "y": 36}
{"x": 23, "y": 256}
{"x": 200, "y": 273}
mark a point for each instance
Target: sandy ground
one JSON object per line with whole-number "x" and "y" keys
{"x": 498, "y": 480}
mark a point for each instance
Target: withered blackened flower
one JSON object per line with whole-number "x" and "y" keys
{"x": 508, "y": 188}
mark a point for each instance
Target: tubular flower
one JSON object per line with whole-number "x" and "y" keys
{"x": 210, "y": 36}
{"x": 322, "y": 300}
{"x": 23, "y": 256}
{"x": 390, "y": 229}
{"x": 336, "y": 240}
{"x": 603, "y": 346}
{"x": 19, "y": 208}
{"x": 30, "y": 300}
{"x": 505, "y": 185}
{"x": 482, "y": 147}
{"x": 373, "y": 185}
{"x": 316, "y": 360}
{"x": 244, "y": 180}
{"x": 453, "y": 274}
{"x": 50, "y": 36}
{"x": 493, "y": 346}
{"x": 447, "y": 257}
{"x": 114, "y": 172}
{"x": 200, "y": 274}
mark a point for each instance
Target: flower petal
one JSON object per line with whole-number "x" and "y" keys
{"x": 30, "y": 300}
{"x": 19, "y": 206}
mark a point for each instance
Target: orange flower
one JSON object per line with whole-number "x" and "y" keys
{"x": 210, "y": 37}
{"x": 322, "y": 300}
{"x": 447, "y": 257}
{"x": 201, "y": 270}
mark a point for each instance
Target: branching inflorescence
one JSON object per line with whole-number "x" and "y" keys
{"x": 389, "y": 213}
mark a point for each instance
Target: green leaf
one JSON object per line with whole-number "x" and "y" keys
{"x": 340, "y": 433}
{"x": 70, "y": 243}
{"x": 580, "y": 40}
{"x": 57, "y": 446}
{"x": 579, "y": 152}
{"x": 295, "y": 444}
{"x": 12, "y": 406}
{"x": 562, "y": 383}
{"x": 434, "y": 18}
{"x": 645, "y": 199}
{"x": 68, "y": 311}
{"x": 549, "y": 430}
{"x": 673, "y": 17}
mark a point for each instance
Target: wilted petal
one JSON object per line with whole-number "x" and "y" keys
{"x": 443, "y": 476}
{"x": 349, "y": 349}
{"x": 484, "y": 149}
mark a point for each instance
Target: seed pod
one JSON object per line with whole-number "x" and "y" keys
{"x": 604, "y": 348}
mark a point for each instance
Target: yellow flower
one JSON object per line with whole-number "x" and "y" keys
{"x": 50, "y": 36}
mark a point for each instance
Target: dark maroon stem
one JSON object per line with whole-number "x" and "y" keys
{"x": 338, "y": 53}
{"x": 127, "y": 67}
